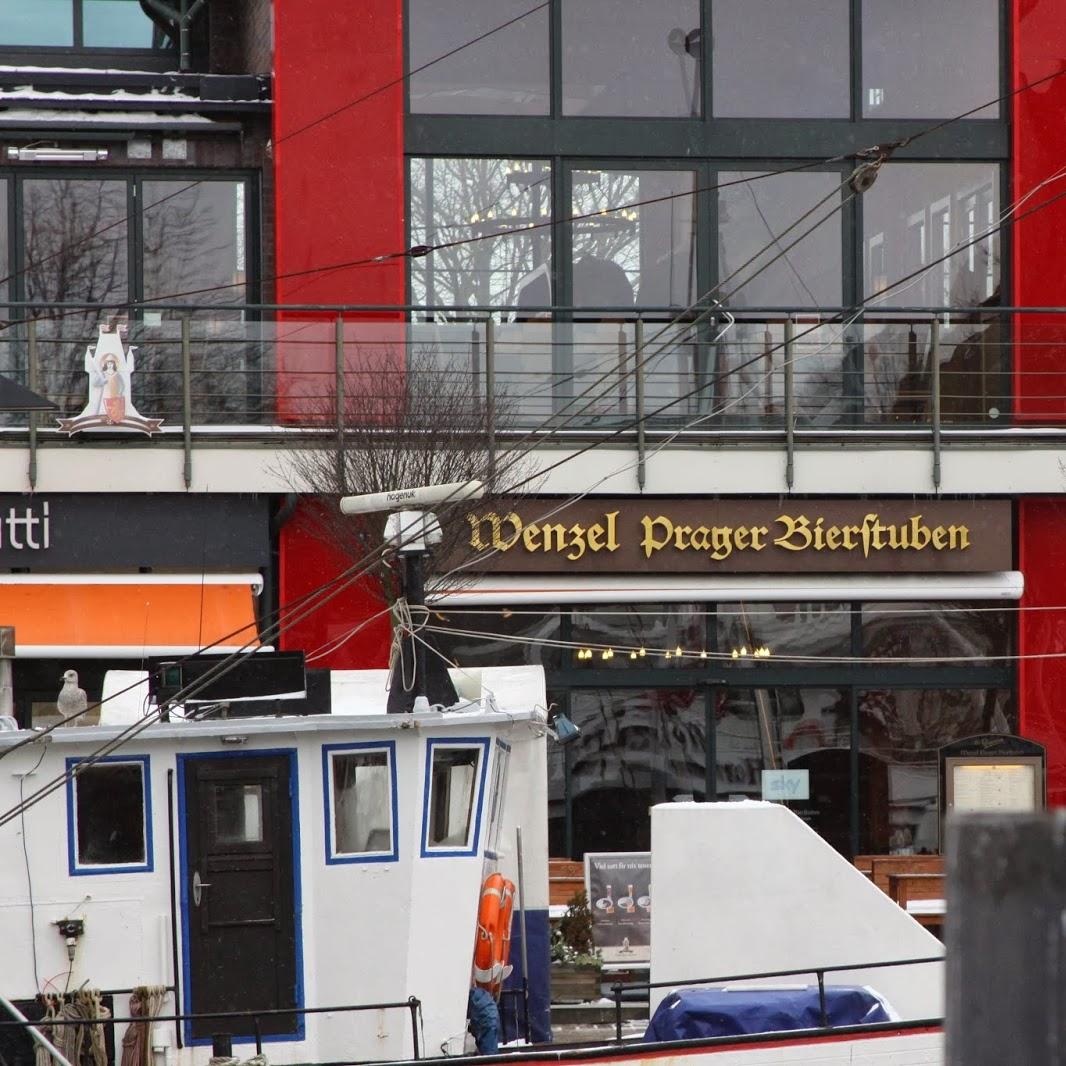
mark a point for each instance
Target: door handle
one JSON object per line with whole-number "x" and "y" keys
{"x": 197, "y": 887}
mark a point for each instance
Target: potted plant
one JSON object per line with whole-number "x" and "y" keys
{"x": 576, "y": 964}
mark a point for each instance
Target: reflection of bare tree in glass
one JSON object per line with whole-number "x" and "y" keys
{"x": 74, "y": 236}
{"x": 422, "y": 422}
{"x": 192, "y": 241}
{"x": 456, "y": 199}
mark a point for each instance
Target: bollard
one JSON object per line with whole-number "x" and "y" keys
{"x": 222, "y": 1046}
{"x": 1006, "y": 940}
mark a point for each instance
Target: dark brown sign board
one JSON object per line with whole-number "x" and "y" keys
{"x": 652, "y": 536}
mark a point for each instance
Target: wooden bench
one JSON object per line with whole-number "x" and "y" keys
{"x": 908, "y": 889}
{"x": 879, "y": 868}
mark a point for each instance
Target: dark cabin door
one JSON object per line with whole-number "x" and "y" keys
{"x": 240, "y": 893}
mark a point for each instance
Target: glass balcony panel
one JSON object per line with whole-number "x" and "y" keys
{"x": 973, "y": 362}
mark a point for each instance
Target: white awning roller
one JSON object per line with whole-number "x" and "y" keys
{"x": 516, "y": 590}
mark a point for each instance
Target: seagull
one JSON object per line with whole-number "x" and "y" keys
{"x": 71, "y": 700}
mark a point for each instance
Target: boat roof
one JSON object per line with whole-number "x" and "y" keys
{"x": 185, "y": 729}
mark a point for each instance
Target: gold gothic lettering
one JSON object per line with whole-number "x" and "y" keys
{"x": 791, "y": 533}
{"x": 548, "y": 537}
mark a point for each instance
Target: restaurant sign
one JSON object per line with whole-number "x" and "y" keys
{"x": 741, "y": 536}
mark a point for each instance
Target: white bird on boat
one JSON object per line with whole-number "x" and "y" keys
{"x": 71, "y": 700}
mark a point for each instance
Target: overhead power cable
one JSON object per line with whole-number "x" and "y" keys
{"x": 29, "y": 803}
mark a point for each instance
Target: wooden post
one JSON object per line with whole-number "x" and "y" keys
{"x": 1006, "y": 940}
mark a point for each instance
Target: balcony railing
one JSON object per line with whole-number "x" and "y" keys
{"x": 768, "y": 372}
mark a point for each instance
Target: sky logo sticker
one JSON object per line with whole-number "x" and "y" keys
{"x": 781, "y": 786}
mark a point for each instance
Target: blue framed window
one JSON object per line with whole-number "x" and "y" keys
{"x": 109, "y": 816}
{"x": 360, "y": 803}
{"x": 453, "y": 795}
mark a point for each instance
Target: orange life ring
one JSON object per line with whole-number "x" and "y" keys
{"x": 492, "y": 949}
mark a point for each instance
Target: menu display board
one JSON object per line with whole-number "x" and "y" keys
{"x": 619, "y": 891}
{"x": 994, "y": 787}
{"x": 992, "y": 772}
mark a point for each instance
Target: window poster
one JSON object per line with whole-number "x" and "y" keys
{"x": 619, "y": 890}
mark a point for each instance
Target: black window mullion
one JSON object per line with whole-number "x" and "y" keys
{"x": 856, "y": 60}
{"x": 79, "y": 29}
{"x": 706, "y": 59}
{"x": 711, "y": 694}
{"x": 854, "y": 808}
{"x": 555, "y": 59}
{"x": 17, "y": 247}
{"x": 853, "y": 294}
{"x": 135, "y": 239}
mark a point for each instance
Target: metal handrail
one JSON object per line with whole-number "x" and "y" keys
{"x": 819, "y": 971}
{"x": 412, "y": 1003}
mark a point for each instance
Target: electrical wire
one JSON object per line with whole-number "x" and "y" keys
{"x": 703, "y": 655}
{"x": 29, "y": 876}
{"x": 422, "y": 250}
{"x": 784, "y": 251}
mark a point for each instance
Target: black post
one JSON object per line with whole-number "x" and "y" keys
{"x": 414, "y": 1006}
{"x": 616, "y": 989}
{"x": 1006, "y": 939}
{"x": 258, "y": 1035}
{"x": 416, "y": 598}
{"x": 822, "y": 1012}
{"x": 222, "y": 1046}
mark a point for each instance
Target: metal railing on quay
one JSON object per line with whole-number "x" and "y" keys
{"x": 786, "y": 373}
{"x": 252, "y": 1017}
{"x": 819, "y": 972}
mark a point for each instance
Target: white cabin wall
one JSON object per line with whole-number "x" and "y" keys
{"x": 354, "y": 915}
{"x": 750, "y": 888}
{"x": 118, "y": 909}
{"x": 440, "y": 949}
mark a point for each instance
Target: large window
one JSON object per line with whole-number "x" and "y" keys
{"x": 778, "y": 59}
{"x": 857, "y": 696}
{"x": 921, "y": 58}
{"x": 103, "y": 24}
{"x": 497, "y": 57}
{"x": 631, "y": 58}
{"x": 109, "y": 814}
{"x": 108, "y": 237}
{"x": 765, "y": 58}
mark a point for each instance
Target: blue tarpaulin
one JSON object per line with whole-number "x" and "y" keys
{"x": 693, "y": 1013}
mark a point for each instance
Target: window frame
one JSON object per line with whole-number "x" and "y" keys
{"x": 333, "y": 856}
{"x": 856, "y": 94}
{"x": 77, "y": 869}
{"x": 482, "y": 746}
{"x": 497, "y": 796}
{"x": 134, "y": 179}
{"x": 101, "y": 56}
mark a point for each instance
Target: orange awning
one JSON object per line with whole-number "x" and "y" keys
{"x": 128, "y": 615}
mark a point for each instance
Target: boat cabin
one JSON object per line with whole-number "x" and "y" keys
{"x": 278, "y": 866}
